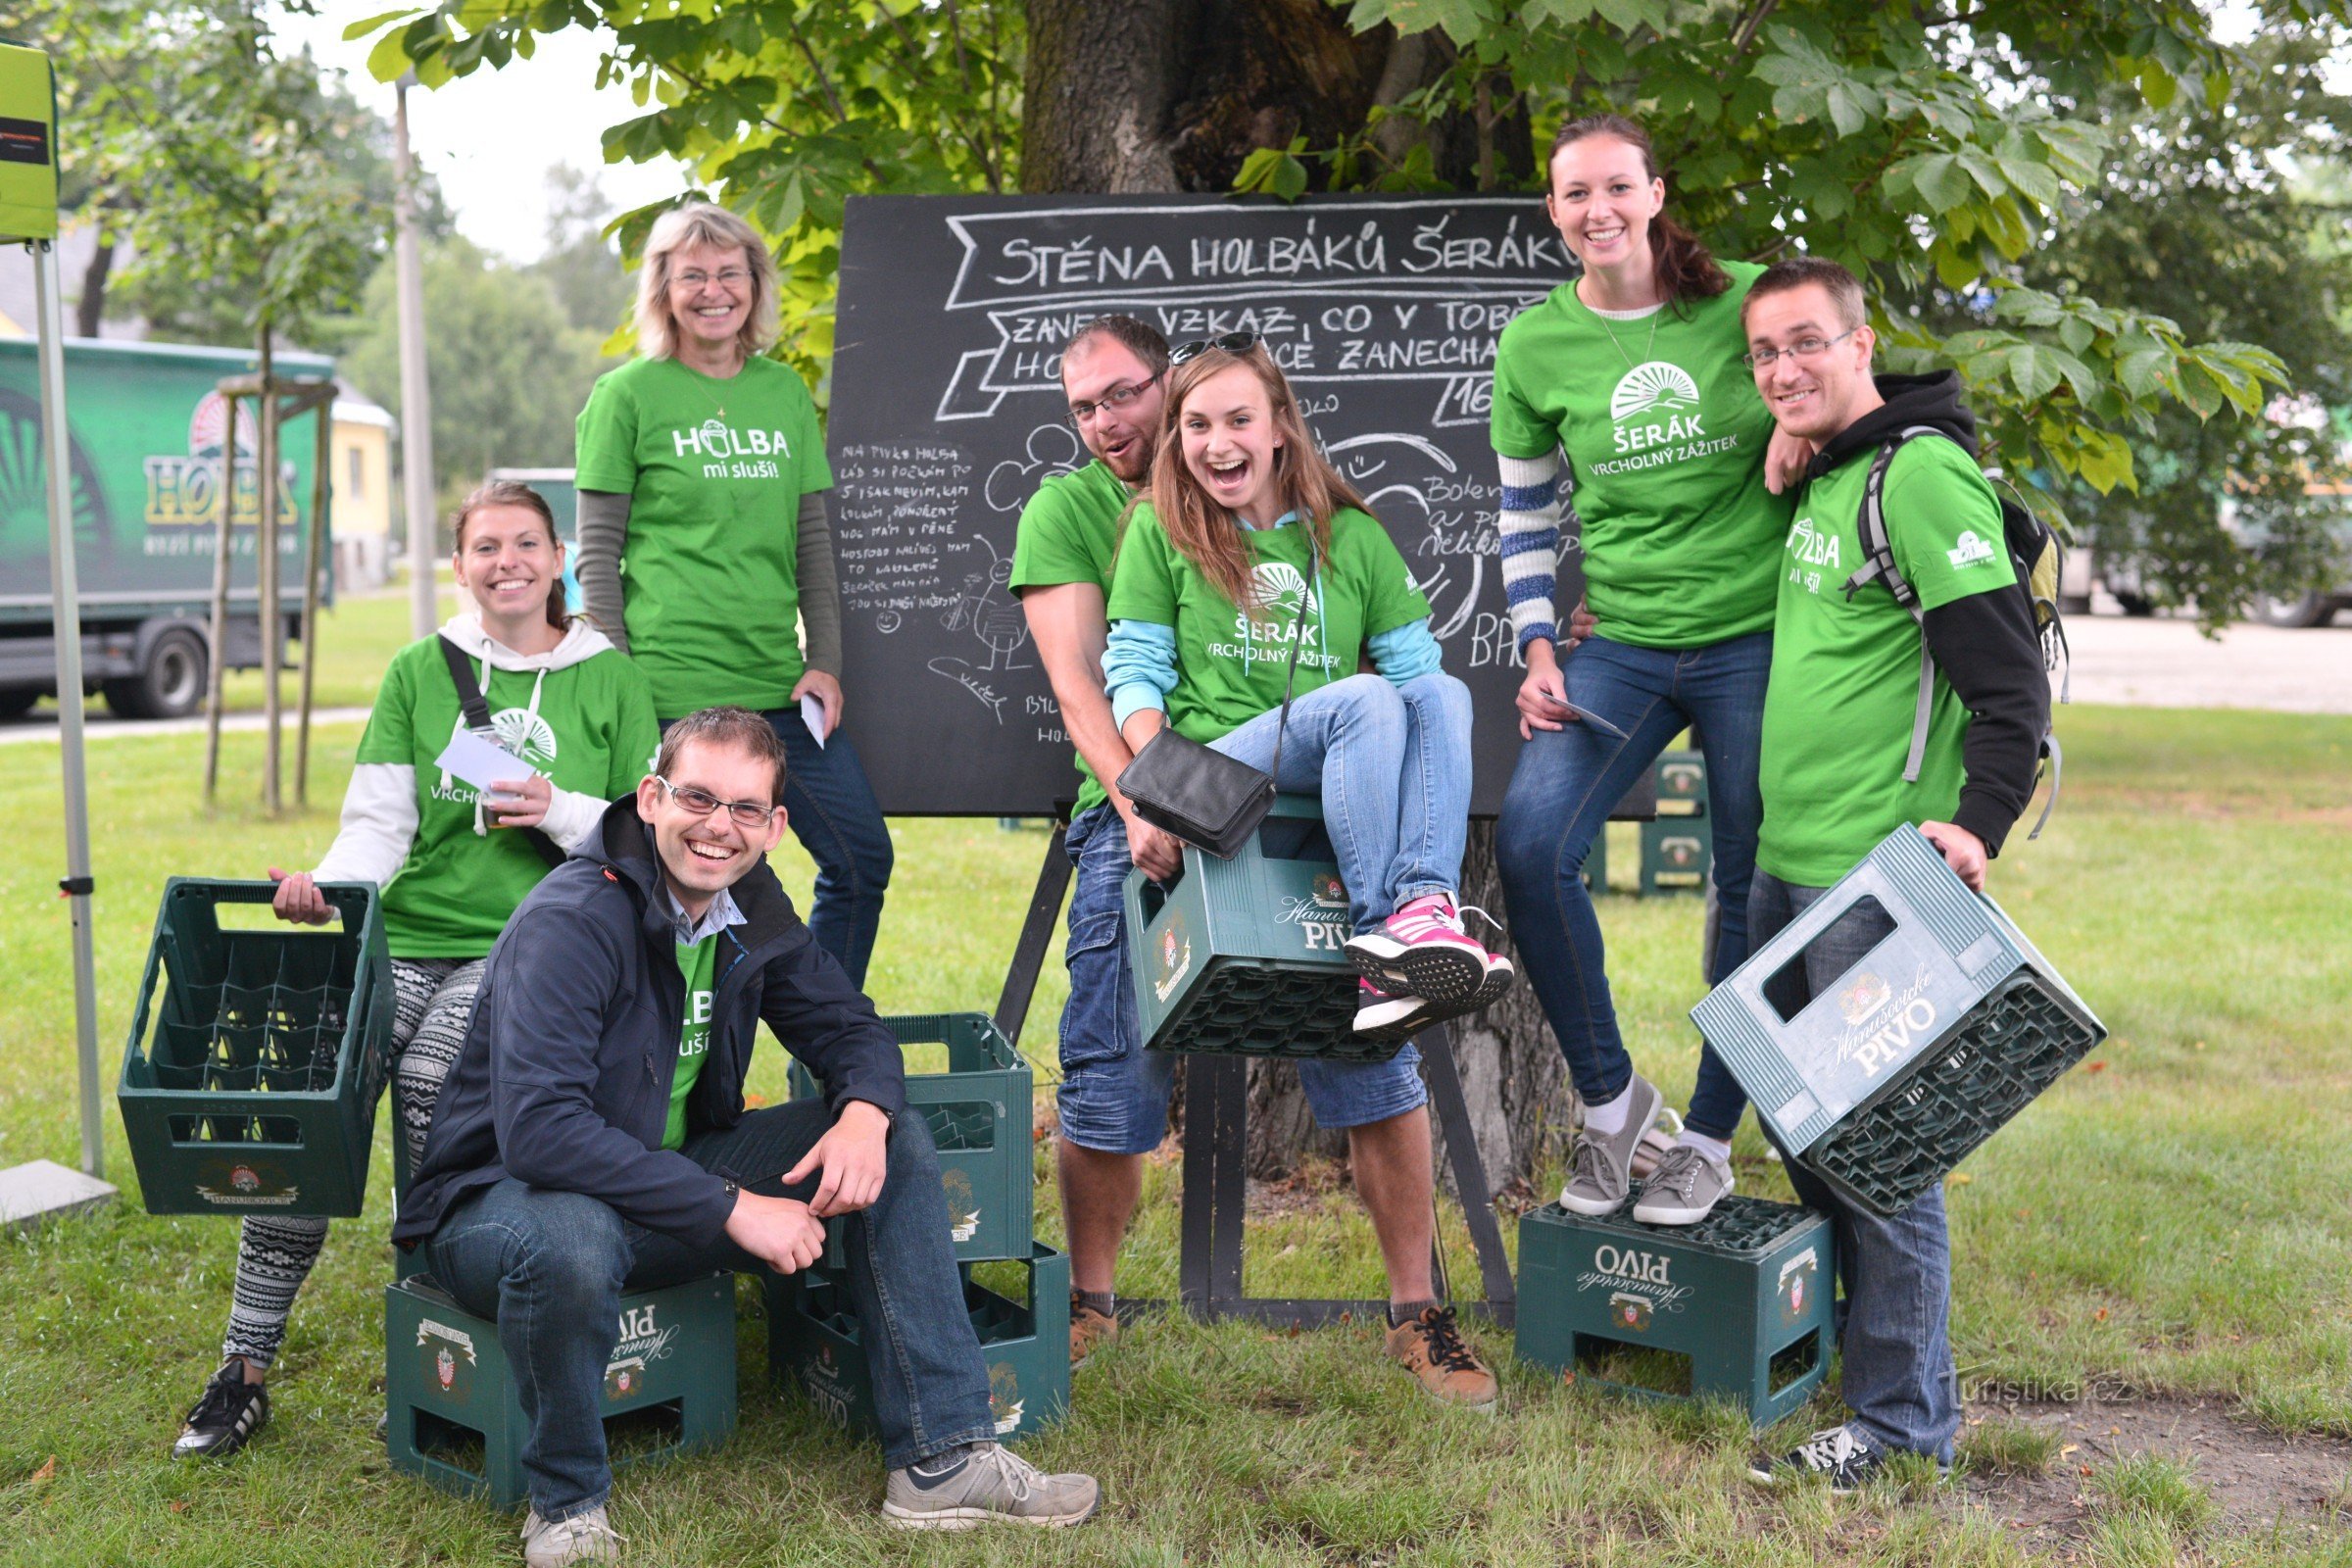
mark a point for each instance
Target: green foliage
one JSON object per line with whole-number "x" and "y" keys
{"x": 2220, "y": 218}
{"x": 582, "y": 265}
{"x": 252, "y": 193}
{"x": 509, "y": 369}
{"x": 1935, "y": 156}
{"x": 782, "y": 110}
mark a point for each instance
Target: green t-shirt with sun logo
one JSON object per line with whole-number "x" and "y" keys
{"x": 1232, "y": 667}
{"x": 1843, "y": 694}
{"x": 714, "y": 472}
{"x": 592, "y": 731}
{"x": 1664, "y": 435}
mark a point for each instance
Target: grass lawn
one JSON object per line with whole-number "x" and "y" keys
{"x": 2168, "y": 1221}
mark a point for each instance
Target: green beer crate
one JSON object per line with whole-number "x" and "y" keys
{"x": 1678, "y": 848}
{"x": 1681, "y": 777}
{"x": 257, "y": 1056}
{"x": 1735, "y": 1307}
{"x": 816, "y": 1344}
{"x": 1246, "y": 957}
{"x": 1927, "y": 1046}
{"x": 451, "y": 1415}
{"x": 979, "y": 1112}
{"x": 1678, "y": 855}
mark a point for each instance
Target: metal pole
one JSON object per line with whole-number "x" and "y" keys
{"x": 416, "y": 393}
{"x": 64, "y": 593}
{"x": 224, "y": 532}
{"x": 264, "y": 549}
{"x": 321, "y": 491}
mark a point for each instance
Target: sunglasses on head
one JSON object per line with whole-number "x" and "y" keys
{"x": 1231, "y": 343}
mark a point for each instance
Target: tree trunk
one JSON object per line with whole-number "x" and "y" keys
{"x": 1138, "y": 96}
{"x": 90, "y": 310}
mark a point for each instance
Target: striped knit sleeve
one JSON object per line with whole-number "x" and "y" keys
{"x": 1529, "y": 530}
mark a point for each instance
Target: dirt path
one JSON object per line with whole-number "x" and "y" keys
{"x": 2167, "y": 663}
{"x": 2259, "y": 1478}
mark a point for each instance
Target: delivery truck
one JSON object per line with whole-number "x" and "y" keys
{"x": 150, "y": 452}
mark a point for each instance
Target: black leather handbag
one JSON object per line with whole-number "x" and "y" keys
{"x": 1209, "y": 799}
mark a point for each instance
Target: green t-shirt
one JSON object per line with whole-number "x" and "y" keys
{"x": 714, "y": 472}
{"x": 1070, "y": 533}
{"x": 1665, "y": 439}
{"x": 1845, "y": 687}
{"x": 1230, "y": 668}
{"x": 593, "y": 733}
{"x": 696, "y": 960}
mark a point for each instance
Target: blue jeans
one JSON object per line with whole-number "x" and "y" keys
{"x": 840, "y": 824}
{"x": 1393, "y": 765}
{"x": 1114, "y": 1096}
{"x": 1900, "y": 1380}
{"x": 550, "y": 1267}
{"x": 1558, "y": 801}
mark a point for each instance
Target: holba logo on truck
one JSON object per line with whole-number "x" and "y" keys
{"x": 184, "y": 492}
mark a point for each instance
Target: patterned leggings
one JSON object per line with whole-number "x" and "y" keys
{"x": 433, "y": 1002}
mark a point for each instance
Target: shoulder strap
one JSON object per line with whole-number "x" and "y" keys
{"x": 1878, "y": 565}
{"x": 469, "y": 694}
{"x": 476, "y": 710}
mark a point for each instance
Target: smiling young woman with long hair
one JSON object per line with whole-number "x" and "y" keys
{"x": 1634, "y": 372}
{"x": 1253, "y": 548}
{"x": 451, "y": 861}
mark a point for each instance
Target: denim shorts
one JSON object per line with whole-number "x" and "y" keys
{"x": 1114, "y": 1093}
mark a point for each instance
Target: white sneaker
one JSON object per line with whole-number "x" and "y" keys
{"x": 560, "y": 1542}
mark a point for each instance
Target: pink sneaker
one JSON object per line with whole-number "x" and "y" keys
{"x": 1422, "y": 949}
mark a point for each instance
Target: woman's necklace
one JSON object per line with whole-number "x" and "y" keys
{"x": 717, "y": 403}
{"x": 1648, "y": 350}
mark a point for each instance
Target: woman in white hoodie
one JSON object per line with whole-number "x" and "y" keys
{"x": 453, "y": 862}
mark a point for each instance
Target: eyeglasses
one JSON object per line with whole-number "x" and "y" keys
{"x": 1804, "y": 347}
{"x": 1231, "y": 343}
{"x": 1118, "y": 397}
{"x": 701, "y": 803}
{"x": 724, "y": 277}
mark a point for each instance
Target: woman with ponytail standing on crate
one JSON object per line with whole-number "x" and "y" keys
{"x": 453, "y": 861}
{"x": 1635, "y": 373}
{"x": 1252, "y": 570}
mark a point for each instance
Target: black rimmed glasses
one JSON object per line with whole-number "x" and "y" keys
{"x": 1804, "y": 347}
{"x": 1231, "y": 343}
{"x": 701, "y": 803}
{"x": 1118, "y": 397}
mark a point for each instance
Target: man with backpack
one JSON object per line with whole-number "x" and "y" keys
{"x": 1908, "y": 686}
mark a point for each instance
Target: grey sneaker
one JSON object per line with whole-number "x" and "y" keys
{"x": 560, "y": 1542}
{"x": 988, "y": 1482}
{"x": 1685, "y": 1187}
{"x": 1602, "y": 1177}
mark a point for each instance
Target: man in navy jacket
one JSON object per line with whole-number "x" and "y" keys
{"x": 592, "y": 1138}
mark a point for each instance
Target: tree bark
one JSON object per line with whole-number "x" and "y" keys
{"x": 1137, "y": 96}
{"x": 90, "y": 310}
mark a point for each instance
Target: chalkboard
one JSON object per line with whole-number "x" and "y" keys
{"x": 947, "y": 412}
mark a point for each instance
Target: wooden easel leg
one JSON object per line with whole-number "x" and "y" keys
{"x": 1469, "y": 1172}
{"x": 1037, "y": 932}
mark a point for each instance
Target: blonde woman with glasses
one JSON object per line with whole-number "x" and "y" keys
{"x": 704, "y": 547}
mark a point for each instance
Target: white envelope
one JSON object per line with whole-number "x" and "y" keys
{"x": 813, "y": 715}
{"x": 480, "y": 762}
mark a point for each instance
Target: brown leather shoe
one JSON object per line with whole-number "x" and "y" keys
{"x": 1433, "y": 1349}
{"x": 1089, "y": 1329}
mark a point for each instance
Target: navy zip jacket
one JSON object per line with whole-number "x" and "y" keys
{"x": 564, "y": 1080}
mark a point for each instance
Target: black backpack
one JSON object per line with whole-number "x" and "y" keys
{"x": 2037, "y": 560}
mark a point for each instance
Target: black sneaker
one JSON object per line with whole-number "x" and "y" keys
{"x": 1839, "y": 1453}
{"x": 230, "y": 1412}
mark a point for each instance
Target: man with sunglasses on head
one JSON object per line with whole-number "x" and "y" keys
{"x": 1112, "y": 1101}
{"x": 593, "y": 1139}
{"x": 1840, "y": 770}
